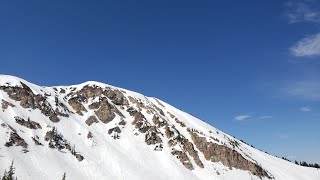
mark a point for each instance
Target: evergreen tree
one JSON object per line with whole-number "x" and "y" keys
{"x": 303, "y": 163}
{"x": 4, "y": 175}
{"x": 64, "y": 176}
{"x": 10, "y": 174}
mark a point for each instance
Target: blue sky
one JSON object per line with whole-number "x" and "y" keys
{"x": 249, "y": 68}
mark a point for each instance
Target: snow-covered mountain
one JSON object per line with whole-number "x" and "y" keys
{"x": 97, "y": 131}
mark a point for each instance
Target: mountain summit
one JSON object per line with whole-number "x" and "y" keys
{"x": 97, "y": 131}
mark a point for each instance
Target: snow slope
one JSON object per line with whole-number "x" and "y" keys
{"x": 124, "y": 155}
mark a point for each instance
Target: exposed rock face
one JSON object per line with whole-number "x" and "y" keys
{"x": 91, "y": 120}
{"x": 5, "y": 104}
{"x": 29, "y": 124}
{"x": 182, "y": 156}
{"x": 94, "y": 105}
{"x": 178, "y": 141}
{"x": 159, "y": 122}
{"x": 28, "y": 99}
{"x": 115, "y": 129}
{"x": 15, "y": 139}
{"x": 152, "y": 136}
{"x": 115, "y": 132}
{"x": 143, "y": 126}
{"x": 228, "y": 157}
{"x": 139, "y": 121}
{"x": 122, "y": 123}
{"x": 168, "y": 132}
{"x": 76, "y": 104}
{"x": 188, "y": 146}
{"x": 91, "y": 91}
{"x": 159, "y": 110}
{"x": 105, "y": 113}
{"x": 116, "y": 96}
{"x": 62, "y": 91}
{"x": 171, "y": 115}
{"x": 179, "y": 122}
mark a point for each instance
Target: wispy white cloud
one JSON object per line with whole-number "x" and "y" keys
{"x": 302, "y": 11}
{"x": 242, "y": 117}
{"x": 305, "y": 109}
{"x": 308, "y": 46}
{"x": 305, "y": 89}
{"x": 265, "y": 117}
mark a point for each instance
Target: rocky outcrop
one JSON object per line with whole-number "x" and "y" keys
{"x": 28, "y": 99}
{"x": 159, "y": 110}
{"x": 94, "y": 105}
{"x": 115, "y": 129}
{"x": 57, "y": 141}
{"x": 188, "y": 146}
{"x": 29, "y": 124}
{"x": 15, "y": 139}
{"x": 91, "y": 120}
{"x": 114, "y": 132}
{"x": 159, "y": 122}
{"x": 179, "y": 122}
{"x": 171, "y": 115}
{"x": 184, "y": 159}
{"x": 89, "y": 92}
{"x": 116, "y": 96}
{"x": 106, "y": 111}
{"x": 218, "y": 153}
{"x": 122, "y": 123}
{"x": 62, "y": 91}
{"x": 76, "y": 104}
{"x": 152, "y": 134}
{"x": 5, "y": 104}
{"x": 139, "y": 121}
{"x": 182, "y": 147}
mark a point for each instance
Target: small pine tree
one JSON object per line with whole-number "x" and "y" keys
{"x": 64, "y": 176}
{"x": 316, "y": 165}
{"x": 303, "y": 163}
{"x": 4, "y": 175}
{"x": 10, "y": 174}
{"x": 296, "y": 162}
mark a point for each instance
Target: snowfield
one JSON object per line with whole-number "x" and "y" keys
{"x": 117, "y": 155}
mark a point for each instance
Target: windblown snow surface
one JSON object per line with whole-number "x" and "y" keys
{"x": 117, "y": 155}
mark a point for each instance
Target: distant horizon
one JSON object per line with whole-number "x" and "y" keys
{"x": 250, "y": 69}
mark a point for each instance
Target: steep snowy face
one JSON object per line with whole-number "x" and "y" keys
{"x": 97, "y": 131}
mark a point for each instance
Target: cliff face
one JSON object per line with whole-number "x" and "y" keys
{"x": 97, "y": 131}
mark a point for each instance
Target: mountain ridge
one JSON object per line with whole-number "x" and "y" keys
{"x": 125, "y": 133}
